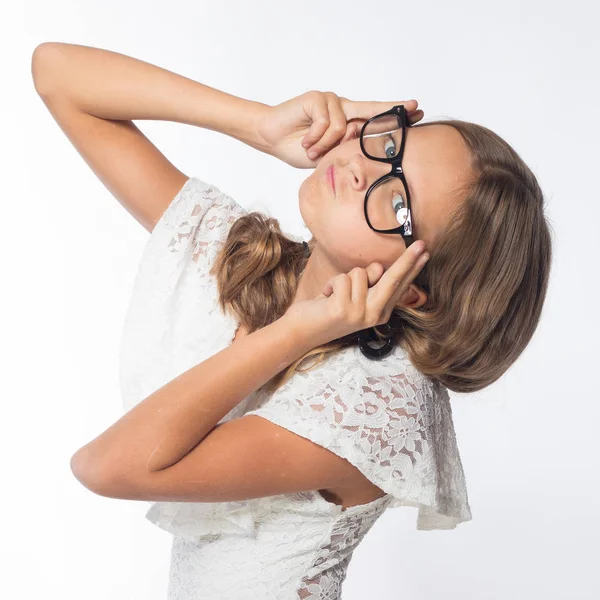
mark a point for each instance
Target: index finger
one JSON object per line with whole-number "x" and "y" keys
{"x": 395, "y": 279}
{"x": 365, "y": 109}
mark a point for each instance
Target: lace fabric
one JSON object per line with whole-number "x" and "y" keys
{"x": 386, "y": 419}
{"x": 382, "y": 416}
{"x": 301, "y": 549}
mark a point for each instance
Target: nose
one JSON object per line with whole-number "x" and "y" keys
{"x": 365, "y": 172}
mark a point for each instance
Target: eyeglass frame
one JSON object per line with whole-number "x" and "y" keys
{"x": 396, "y": 171}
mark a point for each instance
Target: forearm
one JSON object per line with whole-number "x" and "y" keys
{"x": 114, "y": 86}
{"x": 159, "y": 431}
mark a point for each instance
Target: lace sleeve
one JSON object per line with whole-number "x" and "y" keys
{"x": 173, "y": 321}
{"x": 199, "y": 214}
{"x": 389, "y": 422}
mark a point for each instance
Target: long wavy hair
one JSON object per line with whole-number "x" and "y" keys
{"x": 486, "y": 281}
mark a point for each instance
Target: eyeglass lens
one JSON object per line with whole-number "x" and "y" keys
{"x": 387, "y": 206}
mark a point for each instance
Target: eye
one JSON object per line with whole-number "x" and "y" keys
{"x": 399, "y": 206}
{"x": 386, "y": 146}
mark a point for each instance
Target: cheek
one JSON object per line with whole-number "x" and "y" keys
{"x": 359, "y": 243}
{"x": 308, "y": 202}
{"x": 339, "y": 225}
{"x": 347, "y": 236}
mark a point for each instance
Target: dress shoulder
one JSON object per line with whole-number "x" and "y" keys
{"x": 198, "y": 215}
{"x": 173, "y": 320}
{"x": 389, "y": 421}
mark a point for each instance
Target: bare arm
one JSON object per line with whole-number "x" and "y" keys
{"x": 170, "y": 448}
{"x": 163, "y": 428}
{"x": 95, "y": 94}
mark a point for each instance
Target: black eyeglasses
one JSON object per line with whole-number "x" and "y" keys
{"x": 387, "y": 201}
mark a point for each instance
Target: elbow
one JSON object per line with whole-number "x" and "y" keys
{"x": 77, "y": 466}
{"x": 42, "y": 59}
{"x": 91, "y": 476}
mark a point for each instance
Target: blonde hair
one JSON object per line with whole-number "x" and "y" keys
{"x": 486, "y": 280}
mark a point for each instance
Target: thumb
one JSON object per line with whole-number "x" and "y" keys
{"x": 363, "y": 109}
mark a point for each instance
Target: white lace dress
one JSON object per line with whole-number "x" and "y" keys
{"x": 383, "y": 416}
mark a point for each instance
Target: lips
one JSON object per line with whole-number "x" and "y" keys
{"x": 331, "y": 176}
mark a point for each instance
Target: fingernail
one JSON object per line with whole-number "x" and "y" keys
{"x": 305, "y": 144}
{"x": 313, "y": 154}
{"x": 418, "y": 247}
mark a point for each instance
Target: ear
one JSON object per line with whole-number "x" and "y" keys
{"x": 413, "y": 297}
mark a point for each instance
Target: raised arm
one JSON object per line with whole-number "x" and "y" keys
{"x": 94, "y": 95}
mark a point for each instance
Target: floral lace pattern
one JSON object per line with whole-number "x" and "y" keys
{"x": 382, "y": 416}
{"x": 300, "y": 548}
{"x": 386, "y": 419}
{"x": 325, "y": 576}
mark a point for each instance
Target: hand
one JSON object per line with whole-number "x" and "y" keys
{"x": 356, "y": 300}
{"x": 321, "y": 119}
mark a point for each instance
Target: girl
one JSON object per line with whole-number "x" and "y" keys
{"x": 280, "y": 395}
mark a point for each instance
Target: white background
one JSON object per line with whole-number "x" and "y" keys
{"x": 69, "y": 251}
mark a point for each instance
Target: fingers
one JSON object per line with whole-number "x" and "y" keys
{"x": 318, "y": 112}
{"x": 360, "y": 282}
{"x": 353, "y": 286}
{"x": 364, "y": 109}
{"x": 331, "y": 128}
{"x": 402, "y": 272}
{"x": 416, "y": 116}
{"x": 363, "y": 298}
{"x": 336, "y": 119}
{"x": 374, "y": 272}
{"x": 348, "y": 287}
{"x": 362, "y": 279}
{"x": 352, "y": 131}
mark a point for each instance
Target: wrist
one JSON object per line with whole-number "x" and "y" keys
{"x": 239, "y": 118}
{"x": 259, "y": 112}
{"x": 306, "y": 335}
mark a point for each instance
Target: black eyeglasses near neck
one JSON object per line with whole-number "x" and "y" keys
{"x": 387, "y": 201}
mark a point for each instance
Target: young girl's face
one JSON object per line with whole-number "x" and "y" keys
{"x": 435, "y": 164}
